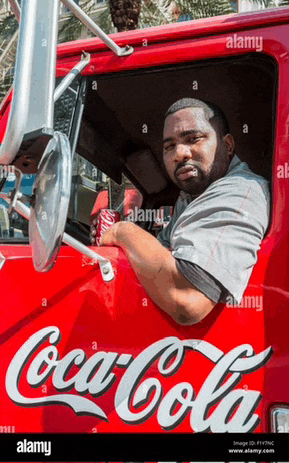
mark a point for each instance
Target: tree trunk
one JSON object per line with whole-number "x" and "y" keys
{"x": 125, "y": 14}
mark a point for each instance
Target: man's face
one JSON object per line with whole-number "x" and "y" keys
{"x": 194, "y": 154}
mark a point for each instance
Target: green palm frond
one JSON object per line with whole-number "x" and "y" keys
{"x": 263, "y": 3}
{"x": 204, "y": 8}
{"x": 8, "y": 26}
{"x": 69, "y": 27}
{"x": 152, "y": 13}
{"x": 103, "y": 19}
{"x": 5, "y": 86}
{"x": 156, "y": 13}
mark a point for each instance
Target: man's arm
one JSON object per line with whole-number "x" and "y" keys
{"x": 156, "y": 270}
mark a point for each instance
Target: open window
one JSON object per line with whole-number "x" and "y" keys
{"x": 115, "y": 123}
{"x": 123, "y": 118}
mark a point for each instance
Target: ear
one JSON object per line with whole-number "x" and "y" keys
{"x": 230, "y": 144}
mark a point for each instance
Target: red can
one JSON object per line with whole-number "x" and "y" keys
{"x": 104, "y": 219}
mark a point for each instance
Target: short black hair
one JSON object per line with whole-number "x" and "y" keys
{"x": 211, "y": 110}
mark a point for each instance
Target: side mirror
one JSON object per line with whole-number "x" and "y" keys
{"x": 50, "y": 201}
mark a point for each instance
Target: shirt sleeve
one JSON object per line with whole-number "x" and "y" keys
{"x": 221, "y": 231}
{"x": 202, "y": 280}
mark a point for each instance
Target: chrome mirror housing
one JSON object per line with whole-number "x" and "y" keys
{"x": 50, "y": 202}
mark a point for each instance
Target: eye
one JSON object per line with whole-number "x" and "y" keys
{"x": 169, "y": 147}
{"x": 194, "y": 138}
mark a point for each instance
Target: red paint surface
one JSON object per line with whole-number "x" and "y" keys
{"x": 114, "y": 315}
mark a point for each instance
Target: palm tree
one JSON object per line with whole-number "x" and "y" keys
{"x": 129, "y": 14}
{"x": 125, "y": 14}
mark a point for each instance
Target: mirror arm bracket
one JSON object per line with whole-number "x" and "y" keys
{"x": 104, "y": 264}
{"x": 69, "y": 78}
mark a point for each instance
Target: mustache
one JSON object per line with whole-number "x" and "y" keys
{"x": 188, "y": 164}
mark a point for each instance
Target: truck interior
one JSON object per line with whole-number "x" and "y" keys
{"x": 115, "y": 122}
{"x": 123, "y": 117}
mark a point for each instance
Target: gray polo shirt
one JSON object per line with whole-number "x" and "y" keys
{"x": 215, "y": 237}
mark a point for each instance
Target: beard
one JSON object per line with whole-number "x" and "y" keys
{"x": 201, "y": 179}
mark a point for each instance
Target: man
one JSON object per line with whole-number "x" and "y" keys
{"x": 208, "y": 250}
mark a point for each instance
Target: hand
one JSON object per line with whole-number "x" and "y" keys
{"x": 114, "y": 235}
{"x": 110, "y": 237}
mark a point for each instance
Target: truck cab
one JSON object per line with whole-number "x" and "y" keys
{"x": 81, "y": 354}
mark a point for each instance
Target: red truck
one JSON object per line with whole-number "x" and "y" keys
{"x": 83, "y": 347}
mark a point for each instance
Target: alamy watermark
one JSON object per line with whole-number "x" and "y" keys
{"x": 247, "y": 302}
{"x": 283, "y": 428}
{"x": 283, "y": 170}
{"x": 146, "y": 215}
{"x": 248, "y": 42}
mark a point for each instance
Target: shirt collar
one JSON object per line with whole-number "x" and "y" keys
{"x": 235, "y": 161}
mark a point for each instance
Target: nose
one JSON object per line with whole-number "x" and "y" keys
{"x": 182, "y": 153}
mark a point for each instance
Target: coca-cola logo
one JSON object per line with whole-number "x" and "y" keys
{"x": 106, "y": 219}
{"x": 235, "y": 407}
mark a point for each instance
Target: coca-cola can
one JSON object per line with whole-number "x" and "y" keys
{"x": 103, "y": 220}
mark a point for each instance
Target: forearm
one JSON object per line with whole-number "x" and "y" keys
{"x": 152, "y": 263}
{"x": 156, "y": 270}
